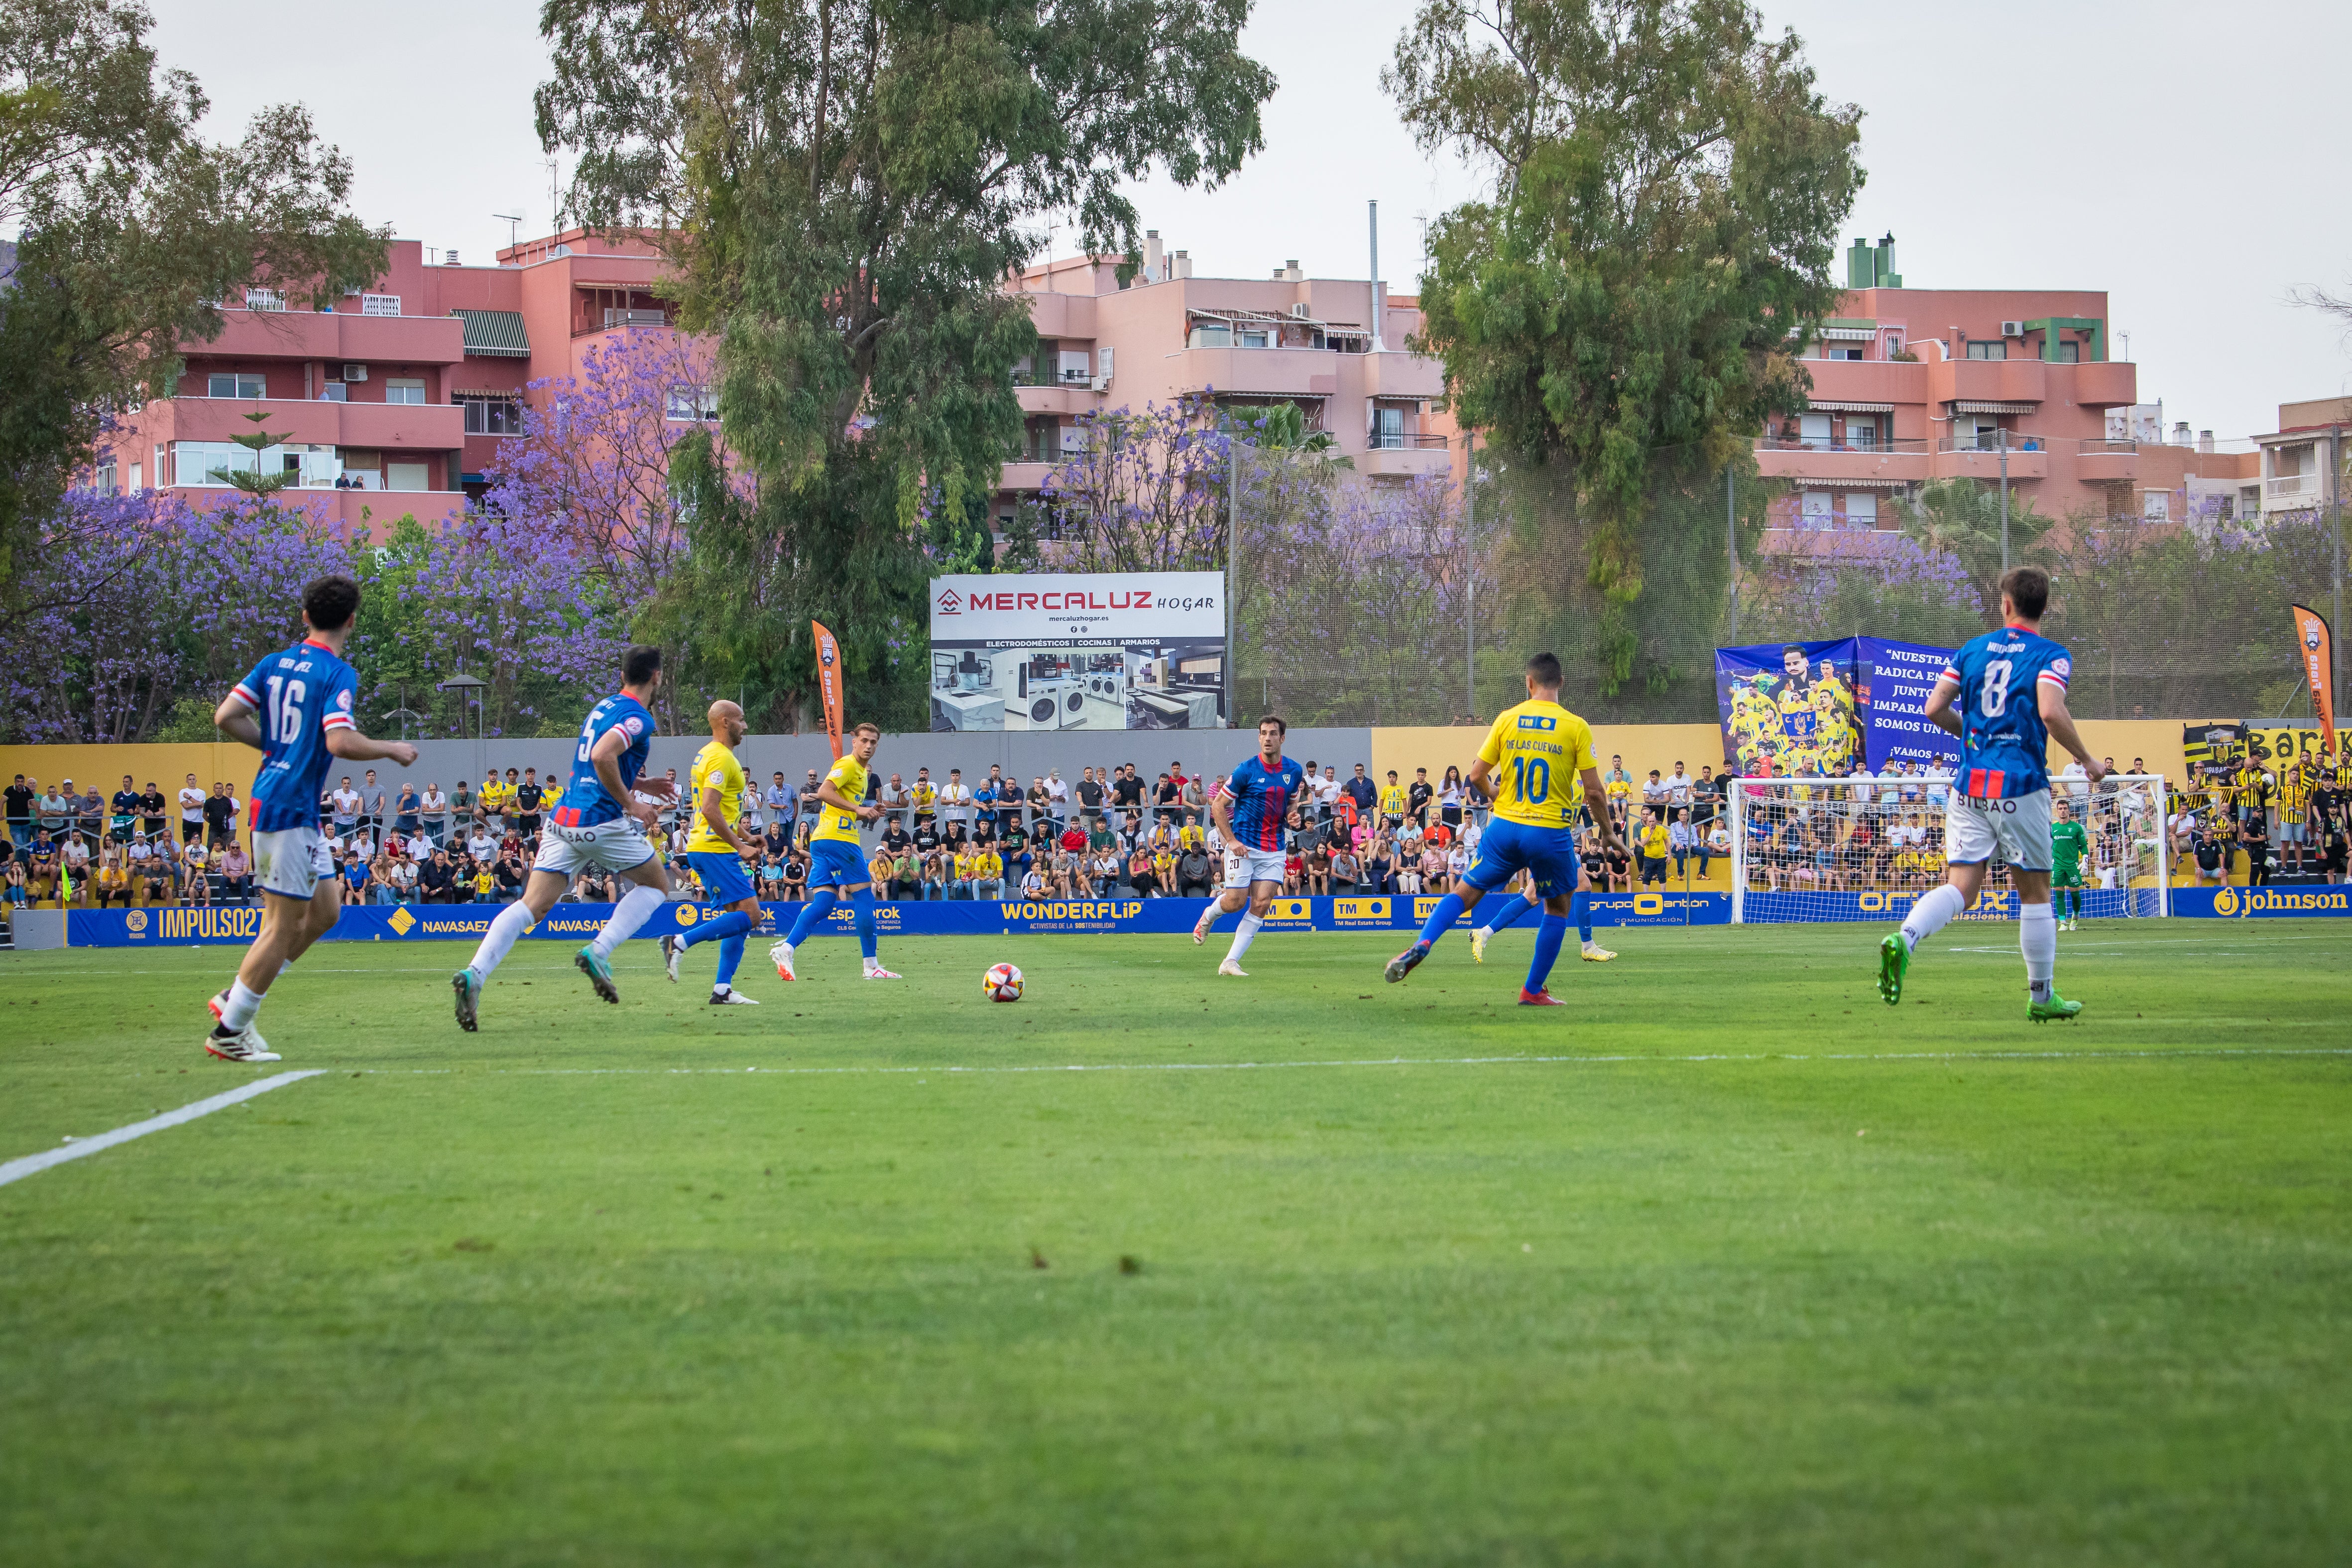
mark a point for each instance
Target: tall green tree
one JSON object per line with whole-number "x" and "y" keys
{"x": 131, "y": 230}
{"x": 1621, "y": 311}
{"x": 846, "y": 185}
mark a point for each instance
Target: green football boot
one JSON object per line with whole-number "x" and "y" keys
{"x": 1894, "y": 963}
{"x": 468, "y": 987}
{"x": 2057, "y": 1007}
{"x": 599, "y": 972}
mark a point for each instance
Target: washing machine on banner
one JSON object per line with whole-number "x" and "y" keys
{"x": 1049, "y": 702}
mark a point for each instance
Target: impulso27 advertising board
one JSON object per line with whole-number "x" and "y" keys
{"x": 1079, "y": 650}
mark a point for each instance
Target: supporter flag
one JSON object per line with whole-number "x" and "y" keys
{"x": 828, "y": 682}
{"x": 2317, "y": 640}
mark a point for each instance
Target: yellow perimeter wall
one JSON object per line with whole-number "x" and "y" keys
{"x": 1644, "y": 747}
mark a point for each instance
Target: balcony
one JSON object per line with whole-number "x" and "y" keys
{"x": 1891, "y": 462}
{"x": 349, "y": 511}
{"x": 1392, "y": 374}
{"x": 429, "y": 427}
{"x": 1284, "y": 372}
{"x": 1019, "y": 475}
{"x": 2106, "y": 384}
{"x": 1405, "y": 455}
{"x": 2293, "y": 492}
{"x": 2102, "y": 461}
{"x": 1961, "y": 459}
{"x": 1045, "y": 395}
{"x": 367, "y": 340}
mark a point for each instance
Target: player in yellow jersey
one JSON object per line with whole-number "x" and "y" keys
{"x": 1531, "y": 754}
{"x": 717, "y": 851}
{"x": 836, "y": 858}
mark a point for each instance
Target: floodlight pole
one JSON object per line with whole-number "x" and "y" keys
{"x": 2003, "y": 432}
{"x": 1470, "y": 570}
{"x": 1233, "y": 566}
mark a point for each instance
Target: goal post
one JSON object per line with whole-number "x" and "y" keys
{"x": 1864, "y": 846}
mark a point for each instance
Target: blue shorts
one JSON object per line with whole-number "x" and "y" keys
{"x": 835, "y": 864}
{"x": 1510, "y": 848}
{"x": 722, "y": 871}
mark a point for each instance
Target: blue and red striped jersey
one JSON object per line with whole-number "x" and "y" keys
{"x": 298, "y": 695}
{"x": 2004, "y": 746}
{"x": 1262, "y": 797}
{"x": 585, "y": 803}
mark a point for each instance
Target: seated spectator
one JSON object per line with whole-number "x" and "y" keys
{"x": 987, "y": 873}
{"x": 2211, "y": 860}
{"x": 1142, "y": 874}
{"x": 1033, "y": 886}
{"x": 235, "y": 869}
{"x": 485, "y": 883}
{"x": 796, "y": 875}
{"x": 1196, "y": 874}
{"x": 438, "y": 878}
{"x": 13, "y": 887}
{"x": 354, "y": 872}
{"x": 114, "y": 878}
{"x": 1345, "y": 867}
{"x": 1318, "y": 871}
{"x": 1681, "y": 842}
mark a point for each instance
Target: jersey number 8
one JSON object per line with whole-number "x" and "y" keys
{"x": 1994, "y": 698}
{"x": 1532, "y": 781}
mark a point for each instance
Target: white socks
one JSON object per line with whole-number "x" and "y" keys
{"x": 242, "y": 1005}
{"x": 506, "y": 927}
{"x": 1244, "y": 934}
{"x": 1930, "y": 914}
{"x": 635, "y": 906}
{"x": 2037, "y": 938}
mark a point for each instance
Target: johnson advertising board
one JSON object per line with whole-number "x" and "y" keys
{"x": 1079, "y": 650}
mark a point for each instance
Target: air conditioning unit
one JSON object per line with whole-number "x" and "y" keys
{"x": 1102, "y": 384}
{"x": 2012, "y": 329}
{"x": 354, "y": 372}
{"x": 1300, "y": 309}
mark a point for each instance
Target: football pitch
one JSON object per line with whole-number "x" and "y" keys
{"x": 1725, "y": 1263}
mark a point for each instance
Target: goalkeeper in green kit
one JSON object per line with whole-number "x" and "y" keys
{"x": 2069, "y": 844}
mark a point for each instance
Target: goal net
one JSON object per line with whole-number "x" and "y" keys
{"x": 1863, "y": 849}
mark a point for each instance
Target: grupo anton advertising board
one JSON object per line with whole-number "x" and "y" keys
{"x": 1079, "y": 650}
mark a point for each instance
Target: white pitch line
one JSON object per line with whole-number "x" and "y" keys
{"x": 32, "y": 1164}
{"x": 1377, "y": 1062}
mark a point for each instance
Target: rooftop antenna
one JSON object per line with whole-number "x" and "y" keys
{"x": 511, "y": 220}
{"x": 1376, "y": 292}
{"x": 554, "y": 212}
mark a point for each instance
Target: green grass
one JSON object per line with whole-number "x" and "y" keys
{"x": 1860, "y": 1286}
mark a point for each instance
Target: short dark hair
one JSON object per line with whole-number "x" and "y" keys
{"x": 1544, "y": 670}
{"x": 861, "y": 729}
{"x": 641, "y": 664}
{"x": 2027, "y": 588}
{"x": 329, "y": 604}
{"x": 1274, "y": 719}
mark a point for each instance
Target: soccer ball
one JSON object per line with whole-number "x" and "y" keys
{"x": 1001, "y": 983}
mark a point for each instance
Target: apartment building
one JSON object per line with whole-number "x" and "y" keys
{"x": 1334, "y": 346}
{"x": 401, "y": 390}
{"x": 2303, "y": 460}
{"x": 1914, "y": 384}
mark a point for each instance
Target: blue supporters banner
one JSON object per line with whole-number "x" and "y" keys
{"x": 1993, "y": 904}
{"x": 236, "y": 926}
{"x": 1892, "y": 683}
{"x": 1791, "y": 704}
{"x": 2264, "y": 903}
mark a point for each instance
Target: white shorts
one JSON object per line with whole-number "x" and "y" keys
{"x": 1243, "y": 867}
{"x": 2018, "y": 825}
{"x": 619, "y": 844}
{"x": 291, "y": 862}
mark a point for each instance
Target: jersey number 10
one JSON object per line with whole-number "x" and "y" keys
{"x": 1532, "y": 781}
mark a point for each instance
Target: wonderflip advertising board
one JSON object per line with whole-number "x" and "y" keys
{"x": 1079, "y": 650}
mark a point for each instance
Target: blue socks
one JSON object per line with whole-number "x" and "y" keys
{"x": 1580, "y": 908}
{"x": 864, "y": 904}
{"x": 730, "y": 954}
{"x": 820, "y": 903}
{"x": 1510, "y": 917}
{"x": 1548, "y": 938}
{"x": 718, "y": 928}
{"x": 1442, "y": 919}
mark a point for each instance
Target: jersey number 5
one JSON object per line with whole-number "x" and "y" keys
{"x": 1993, "y": 697}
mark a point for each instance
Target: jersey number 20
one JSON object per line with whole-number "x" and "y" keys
{"x": 1532, "y": 781}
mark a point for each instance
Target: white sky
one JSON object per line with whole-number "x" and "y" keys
{"x": 2186, "y": 159}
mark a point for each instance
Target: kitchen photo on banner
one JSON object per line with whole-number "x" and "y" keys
{"x": 1791, "y": 705}
{"x": 1077, "y": 650}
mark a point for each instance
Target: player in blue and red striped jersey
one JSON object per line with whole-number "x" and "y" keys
{"x": 600, "y": 823}
{"x": 296, "y": 706}
{"x": 1251, "y": 808}
{"x": 2004, "y": 695}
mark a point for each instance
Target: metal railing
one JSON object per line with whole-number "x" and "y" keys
{"x": 1987, "y": 443}
{"x": 1405, "y": 441}
{"x": 2292, "y": 486}
{"x": 1877, "y": 443}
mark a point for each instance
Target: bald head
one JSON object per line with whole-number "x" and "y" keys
{"x": 726, "y": 722}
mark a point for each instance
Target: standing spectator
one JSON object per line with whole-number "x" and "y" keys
{"x": 125, "y": 814}
{"x": 1057, "y": 795}
{"x": 1361, "y": 792}
{"x": 462, "y": 804}
{"x": 192, "y": 810}
{"x": 1091, "y": 795}
{"x": 343, "y": 808}
{"x": 1393, "y": 805}
{"x": 925, "y": 797}
{"x": 236, "y": 873}
{"x": 220, "y": 818}
{"x": 530, "y": 798}
{"x": 407, "y": 811}
{"x": 372, "y": 804}
{"x": 1417, "y": 798}
{"x": 89, "y": 815}
{"x": 1654, "y": 842}
{"x": 433, "y": 812}
{"x": 2255, "y": 839}
{"x": 152, "y": 808}
{"x": 1167, "y": 798}
{"x": 895, "y": 802}
{"x": 1654, "y": 794}
{"x": 1128, "y": 793}
{"x": 954, "y": 801}
{"x": 22, "y": 796}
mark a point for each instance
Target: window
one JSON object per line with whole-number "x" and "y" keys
{"x": 1813, "y": 510}
{"x": 2068, "y": 354}
{"x": 1389, "y": 428}
{"x": 2156, "y": 506}
{"x": 404, "y": 389}
{"x": 1212, "y": 335}
{"x": 492, "y": 415}
{"x": 235, "y": 384}
{"x": 1840, "y": 351}
{"x": 1816, "y": 428}
{"x": 1862, "y": 432}
{"x": 1076, "y": 365}
{"x": 334, "y": 392}
{"x": 263, "y": 300}
{"x": 1979, "y": 349}
{"x": 1861, "y": 509}
{"x": 378, "y": 304}
{"x": 1253, "y": 338}
{"x": 692, "y": 402}
{"x": 101, "y": 478}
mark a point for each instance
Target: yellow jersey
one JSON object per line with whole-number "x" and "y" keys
{"x": 1536, "y": 753}
{"x": 847, "y": 778}
{"x": 1393, "y": 801}
{"x": 715, "y": 767}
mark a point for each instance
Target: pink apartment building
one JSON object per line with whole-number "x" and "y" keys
{"x": 1321, "y": 342}
{"x": 403, "y": 389}
{"x": 1913, "y": 385}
